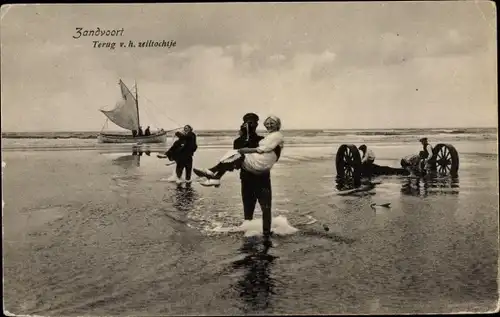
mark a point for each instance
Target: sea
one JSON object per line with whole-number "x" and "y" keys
{"x": 97, "y": 229}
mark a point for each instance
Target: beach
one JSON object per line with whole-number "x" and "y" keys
{"x": 96, "y": 230}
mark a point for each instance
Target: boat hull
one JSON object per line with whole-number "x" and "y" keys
{"x": 160, "y": 137}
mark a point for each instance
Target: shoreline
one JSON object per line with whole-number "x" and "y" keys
{"x": 37, "y": 145}
{"x": 289, "y": 133}
{"x": 153, "y": 151}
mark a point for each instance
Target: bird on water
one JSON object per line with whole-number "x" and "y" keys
{"x": 374, "y": 206}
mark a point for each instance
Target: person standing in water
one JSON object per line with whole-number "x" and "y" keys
{"x": 172, "y": 154}
{"x": 428, "y": 153}
{"x": 181, "y": 152}
{"x": 185, "y": 154}
{"x": 255, "y": 186}
{"x": 255, "y": 160}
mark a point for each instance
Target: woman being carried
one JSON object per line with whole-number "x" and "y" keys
{"x": 254, "y": 160}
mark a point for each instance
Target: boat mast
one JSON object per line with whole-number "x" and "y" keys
{"x": 137, "y": 106}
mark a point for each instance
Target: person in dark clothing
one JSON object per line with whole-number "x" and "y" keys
{"x": 428, "y": 152}
{"x": 134, "y": 133}
{"x": 184, "y": 155}
{"x": 173, "y": 152}
{"x": 147, "y": 131}
{"x": 140, "y": 131}
{"x": 254, "y": 187}
{"x": 255, "y": 160}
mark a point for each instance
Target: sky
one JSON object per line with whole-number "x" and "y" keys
{"x": 351, "y": 65}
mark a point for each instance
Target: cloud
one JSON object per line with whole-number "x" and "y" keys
{"x": 211, "y": 86}
{"x": 353, "y": 65}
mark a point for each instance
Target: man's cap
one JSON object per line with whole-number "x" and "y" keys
{"x": 250, "y": 117}
{"x": 423, "y": 139}
{"x": 363, "y": 146}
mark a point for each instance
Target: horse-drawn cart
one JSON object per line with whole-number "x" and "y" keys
{"x": 445, "y": 161}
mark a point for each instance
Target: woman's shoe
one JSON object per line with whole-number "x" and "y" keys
{"x": 203, "y": 172}
{"x": 210, "y": 182}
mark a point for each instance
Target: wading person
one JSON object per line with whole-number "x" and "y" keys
{"x": 368, "y": 156}
{"x": 255, "y": 160}
{"x": 184, "y": 159}
{"x": 181, "y": 152}
{"x": 412, "y": 163}
{"x": 172, "y": 155}
{"x": 367, "y": 160}
{"x": 428, "y": 153}
{"x": 254, "y": 155}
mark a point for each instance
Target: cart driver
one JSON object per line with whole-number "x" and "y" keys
{"x": 428, "y": 153}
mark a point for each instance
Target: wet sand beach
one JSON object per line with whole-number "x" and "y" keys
{"x": 99, "y": 232}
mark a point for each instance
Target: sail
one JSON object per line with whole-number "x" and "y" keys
{"x": 125, "y": 112}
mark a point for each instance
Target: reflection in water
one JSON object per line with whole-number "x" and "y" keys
{"x": 342, "y": 184}
{"x": 349, "y": 189}
{"x": 430, "y": 185}
{"x": 129, "y": 161}
{"x": 139, "y": 152}
{"x": 256, "y": 287}
{"x": 185, "y": 198}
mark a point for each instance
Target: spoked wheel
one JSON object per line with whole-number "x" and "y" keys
{"x": 446, "y": 159}
{"x": 348, "y": 163}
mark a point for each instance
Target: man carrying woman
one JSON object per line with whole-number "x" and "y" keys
{"x": 254, "y": 155}
{"x": 181, "y": 152}
{"x": 257, "y": 160}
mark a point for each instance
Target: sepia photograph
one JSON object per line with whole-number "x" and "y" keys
{"x": 259, "y": 158}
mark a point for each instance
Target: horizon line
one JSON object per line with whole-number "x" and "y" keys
{"x": 296, "y": 129}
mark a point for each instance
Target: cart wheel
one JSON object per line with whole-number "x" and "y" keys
{"x": 446, "y": 159}
{"x": 348, "y": 163}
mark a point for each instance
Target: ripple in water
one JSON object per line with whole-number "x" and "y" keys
{"x": 279, "y": 226}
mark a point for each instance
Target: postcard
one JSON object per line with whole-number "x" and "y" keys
{"x": 249, "y": 158}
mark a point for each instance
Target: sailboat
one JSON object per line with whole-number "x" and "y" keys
{"x": 126, "y": 115}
